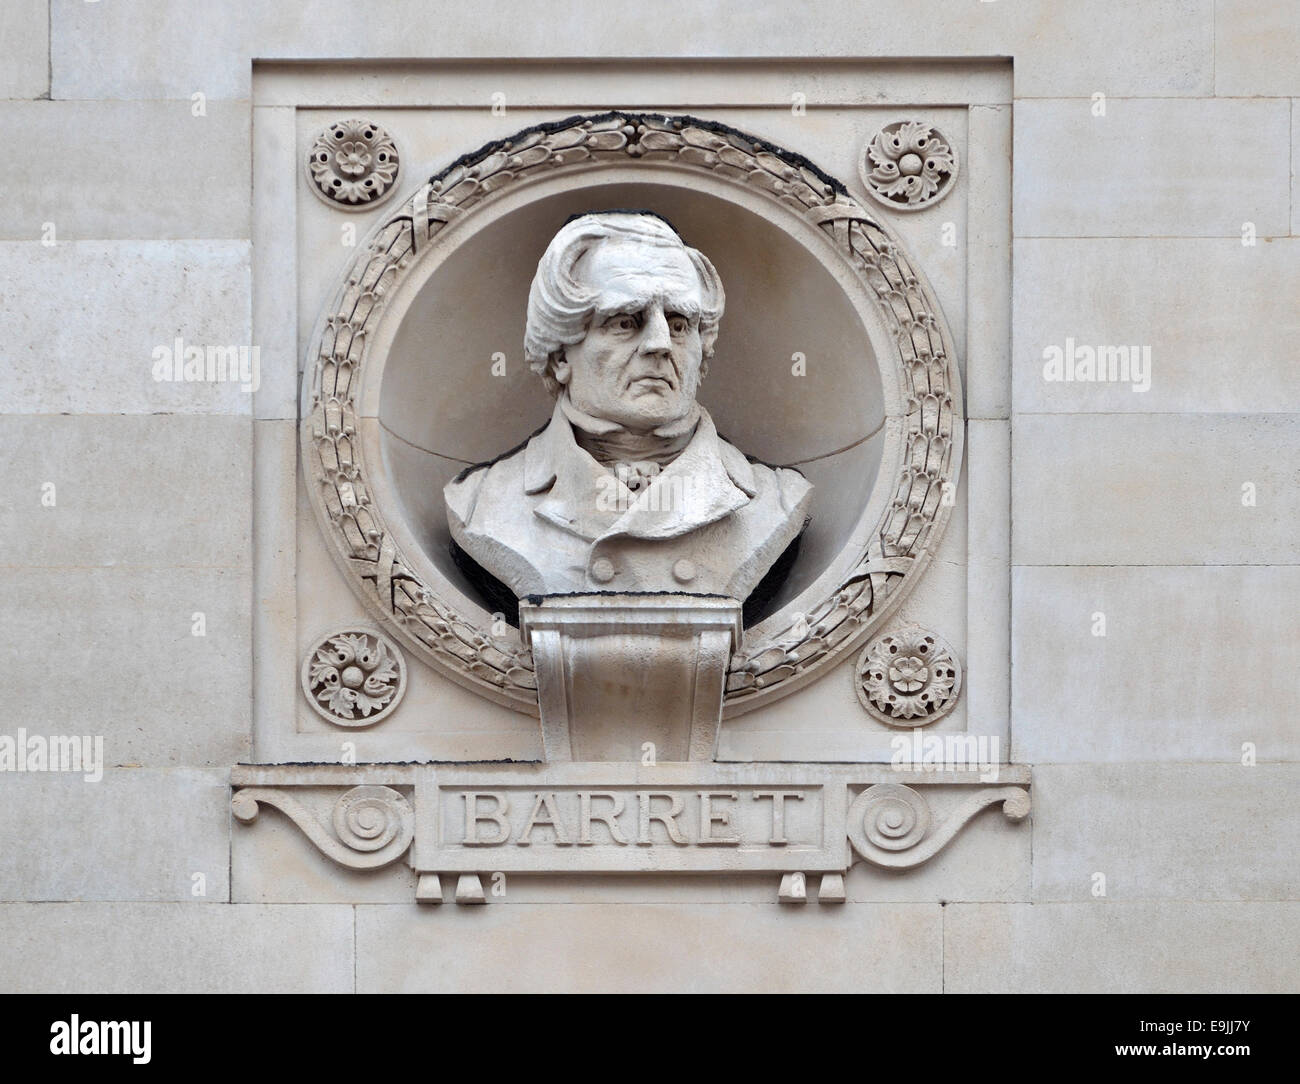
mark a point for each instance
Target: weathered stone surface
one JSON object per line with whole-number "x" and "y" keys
{"x": 988, "y": 307}
{"x": 650, "y": 948}
{"x": 122, "y": 307}
{"x": 517, "y": 825}
{"x": 1194, "y": 662}
{"x": 275, "y": 263}
{"x": 1221, "y": 332}
{"x": 128, "y": 491}
{"x": 204, "y": 192}
{"x": 1165, "y": 831}
{"x": 988, "y": 579}
{"x": 1058, "y": 50}
{"x": 620, "y": 675}
{"x": 135, "y": 834}
{"x": 1141, "y": 170}
{"x": 175, "y": 948}
{"x": 1295, "y": 170}
{"x": 1155, "y": 489}
{"x": 1255, "y": 47}
{"x": 114, "y": 653}
{"x": 25, "y": 39}
{"x": 1149, "y": 946}
{"x": 275, "y": 561}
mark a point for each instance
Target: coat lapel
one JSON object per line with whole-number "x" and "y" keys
{"x": 708, "y": 481}
{"x": 699, "y": 487}
{"x": 581, "y": 496}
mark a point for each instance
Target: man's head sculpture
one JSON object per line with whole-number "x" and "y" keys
{"x": 629, "y": 487}
{"x": 624, "y": 317}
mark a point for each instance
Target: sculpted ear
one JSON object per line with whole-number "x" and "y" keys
{"x": 561, "y": 370}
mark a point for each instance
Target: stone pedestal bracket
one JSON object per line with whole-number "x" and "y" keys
{"x": 798, "y": 822}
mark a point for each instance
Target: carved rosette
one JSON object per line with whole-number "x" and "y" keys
{"x": 354, "y": 677}
{"x": 373, "y": 825}
{"x": 923, "y": 359}
{"x": 908, "y": 166}
{"x": 353, "y": 164}
{"x": 908, "y": 678}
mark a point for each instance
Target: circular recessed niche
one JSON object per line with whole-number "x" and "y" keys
{"x": 832, "y": 358}
{"x": 794, "y": 381}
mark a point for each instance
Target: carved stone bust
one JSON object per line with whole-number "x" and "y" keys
{"x": 629, "y": 487}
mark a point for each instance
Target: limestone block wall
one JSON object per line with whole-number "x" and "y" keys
{"x": 1155, "y": 553}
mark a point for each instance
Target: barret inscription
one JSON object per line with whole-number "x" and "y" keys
{"x": 645, "y": 818}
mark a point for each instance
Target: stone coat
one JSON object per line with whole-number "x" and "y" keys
{"x": 550, "y": 519}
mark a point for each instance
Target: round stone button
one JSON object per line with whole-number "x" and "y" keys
{"x": 684, "y": 570}
{"x": 602, "y": 570}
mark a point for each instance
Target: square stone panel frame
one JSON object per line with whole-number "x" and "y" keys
{"x": 288, "y": 97}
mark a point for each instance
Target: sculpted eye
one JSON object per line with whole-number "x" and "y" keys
{"x": 678, "y": 324}
{"x": 622, "y": 321}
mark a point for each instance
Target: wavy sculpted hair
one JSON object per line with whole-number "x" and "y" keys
{"x": 560, "y": 305}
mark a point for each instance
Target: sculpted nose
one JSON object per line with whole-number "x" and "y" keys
{"x": 655, "y": 338}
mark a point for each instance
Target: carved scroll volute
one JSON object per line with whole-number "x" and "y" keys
{"x": 889, "y": 824}
{"x": 372, "y": 826}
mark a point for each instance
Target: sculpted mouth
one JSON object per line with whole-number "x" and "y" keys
{"x": 650, "y": 383}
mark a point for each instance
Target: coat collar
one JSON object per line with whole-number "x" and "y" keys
{"x": 709, "y": 480}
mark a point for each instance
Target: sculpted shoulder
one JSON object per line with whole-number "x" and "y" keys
{"x": 788, "y": 486}
{"x": 483, "y": 487}
{"x": 795, "y": 489}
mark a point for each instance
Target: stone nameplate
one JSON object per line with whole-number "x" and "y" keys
{"x": 604, "y": 818}
{"x": 472, "y": 820}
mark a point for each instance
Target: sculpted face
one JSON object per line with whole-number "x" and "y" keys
{"x": 639, "y": 364}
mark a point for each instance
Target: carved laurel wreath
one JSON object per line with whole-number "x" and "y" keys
{"x": 908, "y": 529}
